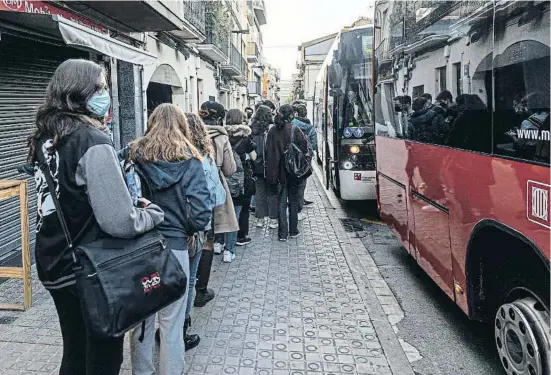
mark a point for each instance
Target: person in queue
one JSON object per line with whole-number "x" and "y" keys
{"x": 271, "y": 105}
{"x": 174, "y": 172}
{"x": 266, "y": 200}
{"x": 249, "y": 112}
{"x": 200, "y": 139}
{"x": 309, "y": 131}
{"x": 224, "y": 218}
{"x": 277, "y": 141}
{"x": 70, "y": 143}
{"x": 428, "y": 97}
{"x": 244, "y": 148}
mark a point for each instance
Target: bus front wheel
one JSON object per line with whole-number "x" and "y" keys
{"x": 522, "y": 337}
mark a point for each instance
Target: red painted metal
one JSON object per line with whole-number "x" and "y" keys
{"x": 447, "y": 192}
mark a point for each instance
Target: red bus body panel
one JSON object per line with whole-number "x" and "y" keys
{"x": 432, "y": 197}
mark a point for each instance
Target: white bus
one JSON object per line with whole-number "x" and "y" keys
{"x": 343, "y": 116}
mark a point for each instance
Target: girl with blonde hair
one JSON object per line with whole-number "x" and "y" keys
{"x": 175, "y": 180}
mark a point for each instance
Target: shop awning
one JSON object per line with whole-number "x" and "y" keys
{"x": 78, "y": 36}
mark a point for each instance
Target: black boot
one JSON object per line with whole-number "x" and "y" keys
{"x": 190, "y": 341}
{"x": 202, "y": 294}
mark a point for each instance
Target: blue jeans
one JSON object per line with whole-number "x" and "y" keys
{"x": 193, "y": 266}
{"x": 231, "y": 238}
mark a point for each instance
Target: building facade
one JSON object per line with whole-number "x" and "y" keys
{"x": 181, "y": 52}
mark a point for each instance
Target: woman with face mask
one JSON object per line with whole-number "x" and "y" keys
{"x": 70, "y": 144}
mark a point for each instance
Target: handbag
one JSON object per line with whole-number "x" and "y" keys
{"x": 296, "y": 163}
{"x": 121, "y": 282}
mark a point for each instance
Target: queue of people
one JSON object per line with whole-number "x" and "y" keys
{"x": 198, "y": 171}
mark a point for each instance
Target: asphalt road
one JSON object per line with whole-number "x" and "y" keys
{"x": 448, "y": 341}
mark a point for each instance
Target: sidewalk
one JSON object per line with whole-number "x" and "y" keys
{"x": 301, "y": 307}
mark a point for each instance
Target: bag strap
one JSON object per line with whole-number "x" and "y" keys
{"x": 51, "y": 187}
{"x": 293, "y": 129}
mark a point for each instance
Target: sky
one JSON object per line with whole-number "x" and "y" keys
{"x": 292, "y": 22}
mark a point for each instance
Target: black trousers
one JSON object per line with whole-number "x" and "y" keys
{"x": 244, "y": 218}
{"x": 288, "y": 197}
{"x": 84, "y": 353}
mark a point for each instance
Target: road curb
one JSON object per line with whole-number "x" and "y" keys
{"x": 383, "y": 319}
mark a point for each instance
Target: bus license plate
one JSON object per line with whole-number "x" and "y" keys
{"x": 367, "y": 179}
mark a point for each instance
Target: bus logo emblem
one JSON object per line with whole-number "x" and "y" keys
{"x": 357, "y": 176}
{"x": 538, "y": 203}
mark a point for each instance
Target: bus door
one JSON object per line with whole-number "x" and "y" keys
{"x": 327, "y": 134}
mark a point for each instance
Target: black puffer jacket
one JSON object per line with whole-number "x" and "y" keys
{"x": 428, "y": 126}
{"x": 259, "y": 134}
{"x": 242, "y": 143}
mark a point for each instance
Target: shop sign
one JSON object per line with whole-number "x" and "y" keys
{"x": 41, "y": 7}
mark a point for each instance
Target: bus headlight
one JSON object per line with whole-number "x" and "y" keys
{"x": 354, "y": 157}
{"x": 347, "y": 165}
{"x": 354, "y": 149}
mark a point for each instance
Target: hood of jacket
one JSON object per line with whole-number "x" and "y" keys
{"x": 163, "y": 174}
{"x": 306, "y": 128}
{"x": 238, "y": 130}
{"x": 216, "y": 130}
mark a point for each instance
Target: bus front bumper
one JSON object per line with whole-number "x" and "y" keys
{"x": 357, "y": 185}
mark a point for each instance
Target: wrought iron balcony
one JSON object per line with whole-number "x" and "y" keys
{"x": 216, "y": 45}
{"x": 194, "y": 12}
{"x": 235, "y": 66}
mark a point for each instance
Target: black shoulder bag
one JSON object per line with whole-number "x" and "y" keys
{"x": 296, "y": 163}
{"x": 121, "y": 282}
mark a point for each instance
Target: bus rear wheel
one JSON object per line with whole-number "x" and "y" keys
{"x": 522, "y": 337}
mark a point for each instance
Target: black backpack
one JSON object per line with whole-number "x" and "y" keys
{"x": 236, "y": 182}
{"x": 297, "y": 164}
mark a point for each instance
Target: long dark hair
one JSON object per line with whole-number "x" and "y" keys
{"x": 262, "y": 119}
{"x": 284, "y": 116}
{"x": 64, "y": 109}
{"x": 234, "y": 117}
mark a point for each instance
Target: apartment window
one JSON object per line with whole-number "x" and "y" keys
{"x": 418, "y": 91}
{"x": 441, "y": 79}
{"x": 457, "y": 79}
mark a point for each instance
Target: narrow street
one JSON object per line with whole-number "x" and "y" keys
{"x": 447, "y": 342}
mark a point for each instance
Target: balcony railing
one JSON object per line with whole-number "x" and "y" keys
{"x": 252, "y": 52}
{"x": 235, "y": 63}
{"x": 255, "y": 88}
{"x": 219, "y": 38}
{"x": 194, "y": 12}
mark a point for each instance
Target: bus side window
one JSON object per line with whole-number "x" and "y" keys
{"x": 453, "y": 71}
{"x": 521, "y": 75}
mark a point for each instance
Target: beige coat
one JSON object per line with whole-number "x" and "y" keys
{"x": 225, "y": 220}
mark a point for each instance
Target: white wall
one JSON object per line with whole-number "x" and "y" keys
{"x": 206, "y": 73}
{"x": 183, "y": 94}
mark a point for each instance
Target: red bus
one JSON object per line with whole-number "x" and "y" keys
{"x": 461, "y": 104}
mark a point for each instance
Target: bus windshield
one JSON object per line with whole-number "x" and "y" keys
{"x": 356, "y": 60}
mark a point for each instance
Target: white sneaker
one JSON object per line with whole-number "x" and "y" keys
{"x": 260, "y": 223}
{"x": 301, "y": 216}
{"x": 228, "y": 256}
{"x": 218, "y": 247}
{"x": 273, "y": 224}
